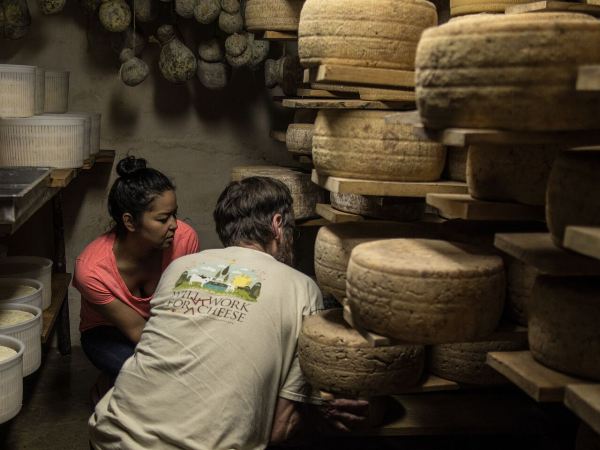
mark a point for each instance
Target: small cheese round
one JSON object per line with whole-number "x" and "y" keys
{"x": 6, "y": 353}
{"x": 10, "y": 317}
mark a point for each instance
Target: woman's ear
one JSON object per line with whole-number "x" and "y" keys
{"x": 128, "y": 222}
{"x": 277, "y": 225}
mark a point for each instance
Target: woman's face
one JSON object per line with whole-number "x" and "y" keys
{"x": 158, "y": 224}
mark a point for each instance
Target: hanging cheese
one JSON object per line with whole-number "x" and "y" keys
{"x": 260, "y": 50}
{"x": 145, "y": 10}
{"x": 231, "y": 23}
{"x": 133, "y": 69}
{"x": 230, "y": 6}
{"x": 273, "y": 15}
{"x": 185, "y": 8}
{"x": 207, "y": 11}
{"x": 177, "y": 63}
{"x": 210, "y": 50}
{"x": 52, "y": 6}
{"x": 212, "y": 75}
{"x": 403, "y": 209}
{"x": 236, "y": 44}
{"x": 15, "y": 19}
{"x": 114, "y": 15}
{"x": 285, "y": 72}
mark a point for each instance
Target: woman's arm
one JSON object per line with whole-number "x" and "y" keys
{"x": 128, "y": 321}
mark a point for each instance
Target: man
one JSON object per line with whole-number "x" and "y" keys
{"x": 216, "y": 366}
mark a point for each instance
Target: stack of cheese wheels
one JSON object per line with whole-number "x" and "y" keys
{"x": 21, "y": 290}
{"x": 273, "y": 15}
{"x": 563, "y": 316}
{"x": 516, "y": 173}
{"x": 456, "y": 163}
{"x": 520, "y": 279}
{"x": 43, "y": 141}
{"x": 24, "y": 322}
{"x": 335, "y": 243}
{"x": 403, "y": 209}
{"x": 298, "y": 138}
{"x": 56, "y": 99}
{"x": 304, "y": 192}
{"x": 359, "y": 144}
{"x": 11, "y": 377}
{"x": 462, "y": 7}
{"x": 465, "y": 362}
{"x": 40, "y": 90}
{"x": 468, "y": 73}
{"x": 17, "y": 91}
{"x": 33, "y": 267}
{"x": 572, "y": 193}
{"x": 425, "y": 291}
{"x": 382, "y": 34}
{"x": 336, "y": 358}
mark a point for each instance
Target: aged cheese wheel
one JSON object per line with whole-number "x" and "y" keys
{"x": 6, "y": 352}
{"x": 363, "y": 33}
{"x": 336, "y": 358}
{"x": 335, "y": 242}
{"x": 468, "y": 73}
{"x": 456, "y": 163}
{"x": 563, "y": 317}
{"x": 517, "y": 173}
{"x": 359, "y": 144}
{"x": 304, "y": 192}
{"x": 520, "y": 279}
{"x": 273, "y": 15}
{"x": 298, "y": 138}
{"x": 403, "y": 209}
{"x": 465, "y": 362}
{"x": 461, "y": 7}
{"x": 572, "y": 194}
{"x": 425, "y": 291}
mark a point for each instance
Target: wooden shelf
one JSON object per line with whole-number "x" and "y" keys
{"x": 555, "y": 6}
{"x": 584, "y": 240}
{"x": 539, "y": 382}
{"x": 588, "y": 78}
{"x": 331, "y": 214}
{"x": 463, "y": 206}
{"x": 584, "y": 400}
{"x": 60, "y": 286}
{"x": 321, "y": 93}
{"x": 387, "y": 188}
{"x": 432, "y": 383}
{"x": 538, "y": 250}
{"x": 363, "y": 76}
{"x": 312, "y": 222}
{"x": 334, "y": 103}
{"x": 279, "y": 36}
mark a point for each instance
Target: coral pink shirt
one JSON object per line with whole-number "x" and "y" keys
{"x": 98, "y": 280}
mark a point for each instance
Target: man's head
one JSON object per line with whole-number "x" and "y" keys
{"x": 257, "y": 211}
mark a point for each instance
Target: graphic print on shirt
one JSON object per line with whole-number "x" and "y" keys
{"x": 223, "y": 292}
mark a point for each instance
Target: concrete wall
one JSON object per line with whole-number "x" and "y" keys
{"x": 193, "y": 135}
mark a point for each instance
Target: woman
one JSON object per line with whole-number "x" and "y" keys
{"x": 118, "y": 272}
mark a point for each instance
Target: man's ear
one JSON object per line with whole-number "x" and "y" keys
{"x": 277, "y": 225}
{"x": 129, "y": 222}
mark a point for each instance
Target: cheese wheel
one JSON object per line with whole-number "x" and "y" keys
{"x": 563, "y": 318}
{"x": 304, "y": 192}
{"x": 425, "y": 291}
{"x": 462, "y": 7}
{"x": 520, "y": 279}
{"x": 359, "y": 144}
{"x": 456, "y": 163}
{"x": 382, "y": 34}
{"x": 298, "y": 138}
{"x": 335, "y": 242}
{"x": 273, "y": 15}
{"x": 517, "y": 173}
{"x": 465, "y": 362}
{"x": 403, "y": 209}
{"x": 9, "y": 317}
{"x": 469, "y": 73}
{"x": 572, "y": 193}
{"x": 6, "y": 353}
{"x": 336, "y": 358}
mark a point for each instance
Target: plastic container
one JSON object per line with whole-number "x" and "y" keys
{"x": 40, "y": 90}
{"x": 87, "y": 117}
{"x": 56, "y": 97}
{"x": 17, "y": 90}
{"x": 43, "y": 141}
{"x": 29, "y": 333}
{"x": 34, "y": 267}
{"x": 11, "y": 379}
{"x": 9, "y": 291}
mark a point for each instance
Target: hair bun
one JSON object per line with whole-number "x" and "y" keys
{"x": 130, "y": 165}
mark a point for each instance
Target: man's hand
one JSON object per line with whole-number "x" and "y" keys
{"x": 344, "y": 414}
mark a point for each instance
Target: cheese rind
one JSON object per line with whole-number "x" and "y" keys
{"x": 272, "y": 15}
{"x": 520, "y": 279}
{"x": 403, "y": 209}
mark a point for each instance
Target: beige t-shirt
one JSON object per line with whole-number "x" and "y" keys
{"x": 218, "y": 350}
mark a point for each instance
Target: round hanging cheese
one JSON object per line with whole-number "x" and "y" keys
{"x": 573, "y": 188}
{"x": 359, "y": 144}
{"x": 563, "y": 317}
{"x": 515, "y": 72}
{"x": 273, "y": 15}
{"x": 382, "y": 34}
{"x": 336, "y": 358}
{"x": 425, "y": 291}
{"x": 403, "y": 209}
{"x": 462, "y": 7}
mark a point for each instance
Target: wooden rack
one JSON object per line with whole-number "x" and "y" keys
{"x": 583, "y": 240}
{"x": 336, "y": 103}
{"x": 584, "y": 400}
{"x": 332, "y": 215}
{"x": 555, "y": 6}
{"x": 279, "y": 36}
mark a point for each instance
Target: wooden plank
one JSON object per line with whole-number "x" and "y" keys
{"x": 333, "y": 103}
{"x": 60, "y": 286}
{"x": 320, "y": 93}
{"x": 588, "y": 78}
{"x": 340, "y": 88}
{"x": 278, "y": 136}
{"x": 368, "y": 76}
{"x": 374, "y": 339}
{"x": 539, "y": 382}
{"x": 105, "y": 156}
{"x": 432, "y": 383}
{"x": 334, "y": 216}
{"x": 387, "y": 188}
{"x": 584, "y": 240}
{"x": 279, "y": 36}
{"x": 391, "y": 95}
{"x": 584, "y": 400}
{"x": 538, "y": 250}
{"x": 60, "y": 178}
{"x": 554, "y": 6}
{"x": 463, "y": 206}
{"x": 312, "y": 223}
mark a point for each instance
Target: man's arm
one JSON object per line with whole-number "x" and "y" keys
{"x": 128, "y": 321}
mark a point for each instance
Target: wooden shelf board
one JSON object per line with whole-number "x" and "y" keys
{"x": 432, "y": 383}
{"x": 331, "y": 214}
{"x": 588, "y": 78}
{"x": 539, "y": 382}
{"x": 322, "y": 93}
{"x": 272, "y": 35}
{"x": 28, "y": 211}
{"x": 463, "y": 206}
{"x": 312, "y": 222}
{"x": 60, "y": 286}
{"x": 387, "y": 188}
{"x": 278, "y": 136}
{"x": 334, "y": 103}
{"x": 364, "y": 76}
{"x": 60, "y": 178}
{"x": 554, "y": 6}
{"x": 584, "y": 401}
{"x": 583, "y": 240}
{"x": 538, "y": 250}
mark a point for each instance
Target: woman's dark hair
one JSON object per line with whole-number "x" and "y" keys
{"x": 245, "y": 209}
{"x": 134, "y": 190}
